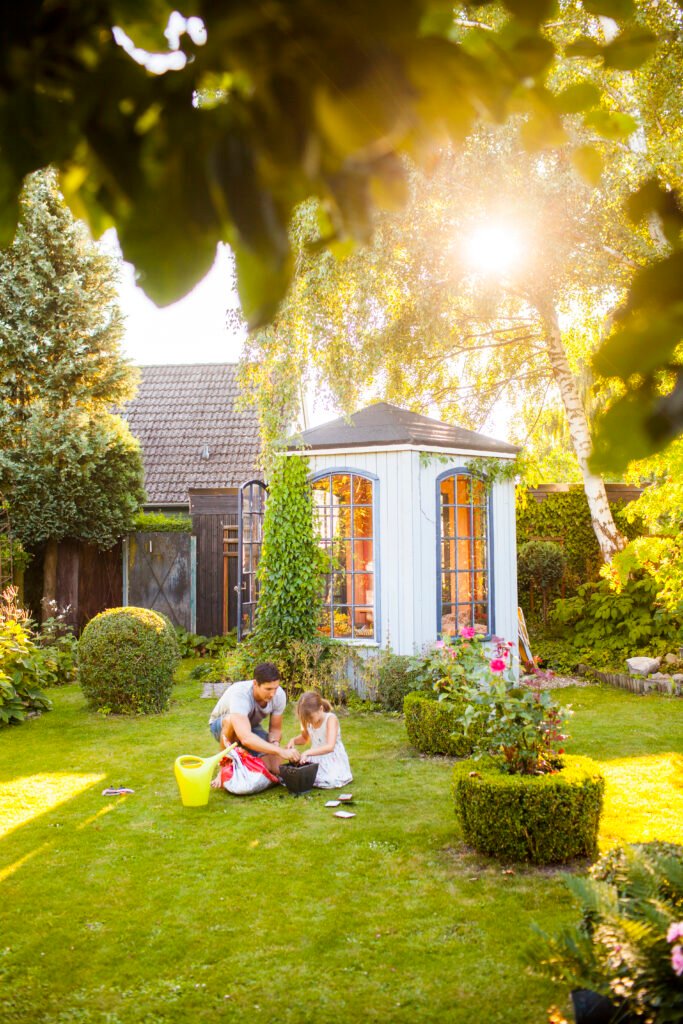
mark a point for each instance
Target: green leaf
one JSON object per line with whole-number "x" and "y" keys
{"x": 622, "y": 434}
{"x": 630, "y": 49}
{"x": 653, "y": 198}
{"x": 578, "y": 97}
{"x": 351, "y": 120}
{"x": 534, "y": 11}
{"x": 611, "y": 125}
{"x": 643, "y": 344}
{"x": 531, "y": 54}
{"x": 617, "y": 9}
{"x": 584, "y": 48}
{"x": 659, "y": 286}
{"x": 588, "y": 162}
{"x": 541, "y": 131}
{"x": 261, "y": 284}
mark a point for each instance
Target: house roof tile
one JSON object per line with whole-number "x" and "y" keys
{"x": 178, "y": 413}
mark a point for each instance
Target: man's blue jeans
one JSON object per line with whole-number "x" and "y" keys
{"x": 215, "y": 728}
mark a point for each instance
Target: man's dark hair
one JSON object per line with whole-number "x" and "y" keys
{"x": 266, "y": 672}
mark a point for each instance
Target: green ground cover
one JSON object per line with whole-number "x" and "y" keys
{"x": 134, "y": 909}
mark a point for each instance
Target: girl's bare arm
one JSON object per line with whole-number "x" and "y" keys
{"x": 301, "y": 740}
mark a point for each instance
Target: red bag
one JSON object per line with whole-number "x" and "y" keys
{"x": 242, "y": 773}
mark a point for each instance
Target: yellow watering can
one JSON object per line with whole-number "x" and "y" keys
{"x": 193, "y": 775}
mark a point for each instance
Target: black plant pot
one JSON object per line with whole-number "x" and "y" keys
{"x": 592, "y": 1008}
{"x": 299, "y": 778}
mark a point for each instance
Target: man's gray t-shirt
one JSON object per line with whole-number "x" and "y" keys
{"x": 239, "y": 699}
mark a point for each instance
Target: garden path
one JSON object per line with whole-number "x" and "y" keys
{"x": 214, "y": 690}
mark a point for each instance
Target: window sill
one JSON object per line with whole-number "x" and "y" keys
{"x": 359, "y": 642}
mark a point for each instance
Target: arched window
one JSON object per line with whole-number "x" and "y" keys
{"x": 463, "y": 579}
{"x": 343, "y": 506}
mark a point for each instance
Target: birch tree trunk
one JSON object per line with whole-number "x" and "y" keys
{"x": 608, "y": 536}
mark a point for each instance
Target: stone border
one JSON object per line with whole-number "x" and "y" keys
{"x": 639, "y": 684}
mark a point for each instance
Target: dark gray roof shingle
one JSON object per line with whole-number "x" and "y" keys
{"x": 178, "y": 412}
{"x": 384, "y": 424}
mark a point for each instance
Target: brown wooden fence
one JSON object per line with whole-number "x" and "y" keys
{"x": 89, "y": 580}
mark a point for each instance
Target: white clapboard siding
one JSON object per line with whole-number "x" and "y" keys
{"x": 406, "y": 548}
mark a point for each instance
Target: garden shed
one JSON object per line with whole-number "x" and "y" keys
{"x": 418, "y": 517}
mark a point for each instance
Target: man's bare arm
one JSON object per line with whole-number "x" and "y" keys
{"x": 241, "y": 726}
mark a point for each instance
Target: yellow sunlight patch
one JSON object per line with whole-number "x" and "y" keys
{"x": 26, "y": 798}
{"x": 643, "y": 800}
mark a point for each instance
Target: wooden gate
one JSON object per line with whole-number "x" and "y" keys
{"x": 160, "y": 573}
{"x": 213, "y": 513}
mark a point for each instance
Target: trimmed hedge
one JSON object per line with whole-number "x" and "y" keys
{"x": 433, "y": 727}
{"x": 566, "y": 515}
{"x": 545, "y": 819}
{"x": 126, "y": 660}
{"x": 159, "y": 522}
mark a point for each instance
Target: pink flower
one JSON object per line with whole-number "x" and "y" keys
{"x": 497, "y": 665}
{"x": 439, "y": 645}
{"x": 677, "y": 960}
{"x": 467, "y": 632}
{"x": 675, "y": 932}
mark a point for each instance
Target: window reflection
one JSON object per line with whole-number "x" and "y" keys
{"x": 344, "y": 523}
{"x": 463, "y": 549}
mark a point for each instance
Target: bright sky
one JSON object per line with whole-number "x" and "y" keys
{"x": 190, "y": 331}
{"x": 194, "y": 330}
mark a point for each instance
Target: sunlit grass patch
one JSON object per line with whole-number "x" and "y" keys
{"x": 643, "y": 800}
{"x": 25, "y": 798}
{"x": 137, "y": 910}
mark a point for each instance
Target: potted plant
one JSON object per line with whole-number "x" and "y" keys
{"x": 624, "y": 958}
{"x": 299, "y": 778}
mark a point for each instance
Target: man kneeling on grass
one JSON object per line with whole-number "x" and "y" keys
{"x": 238, "y": 715}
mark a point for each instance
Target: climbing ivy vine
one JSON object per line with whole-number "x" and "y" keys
{"x": 291, "y": 565}
{"x": 490, "y": 470}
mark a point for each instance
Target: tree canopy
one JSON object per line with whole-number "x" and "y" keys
{"x": 264, "y": 106}
{"x": 69, "y": 467}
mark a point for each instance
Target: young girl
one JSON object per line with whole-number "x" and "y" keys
{"x": 321, "y": 727}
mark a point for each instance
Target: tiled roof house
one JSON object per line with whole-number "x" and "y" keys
{"x": 198, "y": 447}
{"x": 194, "y": 436}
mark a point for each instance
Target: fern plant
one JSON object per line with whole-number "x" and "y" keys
{"x": 627, "y": 944}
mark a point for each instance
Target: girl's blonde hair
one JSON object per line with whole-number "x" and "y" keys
{"x": 308, "y": 704}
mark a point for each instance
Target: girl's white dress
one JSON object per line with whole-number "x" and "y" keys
{"x": 334, "y": 769}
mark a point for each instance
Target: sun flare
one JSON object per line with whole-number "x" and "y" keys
{"x": 494, "y": 249}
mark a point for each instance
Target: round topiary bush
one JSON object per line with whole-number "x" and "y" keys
{"x": 541, "y": 563}
{"x": 433, "y": 725}
{"x": 545, "y": 819}
{"x": 126, "y": 659}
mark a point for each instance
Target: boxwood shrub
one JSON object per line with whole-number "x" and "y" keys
{"x": 126, "y": 659}
{"x": 545, "y": 819}
{"x": 433, "y": 727}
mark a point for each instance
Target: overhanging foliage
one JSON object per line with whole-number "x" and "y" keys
{"x": 299, "y": 100}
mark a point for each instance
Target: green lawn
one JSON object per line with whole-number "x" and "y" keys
{"x": 135, "y": 909}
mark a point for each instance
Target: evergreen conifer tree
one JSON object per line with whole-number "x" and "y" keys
{"x": 68, "y": 466}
